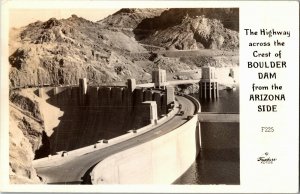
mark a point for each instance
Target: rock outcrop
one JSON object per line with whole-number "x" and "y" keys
{"x": 59, "y": 52}
{"x": 26, "y": 131}
{"x": 130, "y": 18}
{"x": 31, "y": 122}
{"x": 186, "y": 29}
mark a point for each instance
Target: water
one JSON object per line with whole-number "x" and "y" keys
{"x": 219, "y": 160}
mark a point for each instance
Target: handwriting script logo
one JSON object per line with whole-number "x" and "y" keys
{"x": 266, "y": 159}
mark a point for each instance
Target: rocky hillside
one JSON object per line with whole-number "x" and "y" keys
{"x": 58, "y": 52}
{"x": 185, "y": 29}
{"x": 229, "y": 17}
{"x": 129, "y": 18}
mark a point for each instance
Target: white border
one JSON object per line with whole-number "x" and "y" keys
{"x": 254, "y": 178}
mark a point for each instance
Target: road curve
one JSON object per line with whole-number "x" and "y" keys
{"x": 76, "y": 171}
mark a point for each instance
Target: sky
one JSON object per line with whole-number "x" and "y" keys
{"x": 23, "y": 17}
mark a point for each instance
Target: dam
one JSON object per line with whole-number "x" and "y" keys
{"x": 108, "y": 134}
{"x": 95, "y": 113}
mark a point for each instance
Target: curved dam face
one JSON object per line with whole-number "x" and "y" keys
{"x": 91, "y": 114}
{"x": 159, "y": 161}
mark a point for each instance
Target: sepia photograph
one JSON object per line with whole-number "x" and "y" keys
{"x": 149, "y": 96}
{"x": 124, "y": 96}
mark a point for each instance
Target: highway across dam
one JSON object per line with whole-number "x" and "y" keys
{"x": 76, "y": 171}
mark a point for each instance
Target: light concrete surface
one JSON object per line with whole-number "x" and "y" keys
{"x": 73, "y": 170}
{"x": 146, "y": 163}
{"x": 146, "y": 85}
{"x": 181, "y": 82}
{"x": 58, "y": 159}
{"x": 170, "y": 91}
{"x": 159, "y": 161}
{"x": 219, "y": 117}
{"x": 159, "y": 77}
{"x": 131, "y": 84}
{"x": 195, "y": 102}
{"x": 151, "y": 110}
{"x": 172, "y": 83}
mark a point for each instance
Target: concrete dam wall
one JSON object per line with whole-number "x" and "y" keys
{"x": 159, "y": 161}
{"x": 94, "y": 113}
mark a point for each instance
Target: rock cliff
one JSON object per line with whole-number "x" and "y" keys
{"x": 130, "y": 18}
{"x": 59, "y": 52}
{"x": 185, "y": 29}
{"x": 28, "y": 131}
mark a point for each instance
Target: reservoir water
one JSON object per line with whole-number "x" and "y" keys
{"x": 219, "y": 160}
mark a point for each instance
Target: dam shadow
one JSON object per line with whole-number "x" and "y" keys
{"x": 86, "y": 121}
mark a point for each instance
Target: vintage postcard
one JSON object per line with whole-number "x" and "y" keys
{"x": 150, "y": 96}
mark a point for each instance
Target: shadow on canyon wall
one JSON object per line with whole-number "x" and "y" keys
{"x": 102, "y": 116}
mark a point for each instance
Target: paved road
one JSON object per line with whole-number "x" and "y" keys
{"x": 184, "y": 53}
{"x": 172, "y": 83}
{"x": 180, "y": 82}
{"x": 77, "y": 170}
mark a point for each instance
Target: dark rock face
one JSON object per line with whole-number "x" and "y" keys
{"x": 51, "y": 23}
{"x": 26, "y": 104}
{"x": 185, "y": 29}
{"x": 17, "y": 59}
{"x": 229, "y": 17}
{"x": 26, "y": 131}
{"x": 130, "y": 18}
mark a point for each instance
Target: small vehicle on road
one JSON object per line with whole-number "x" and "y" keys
{"x": 64, "y": 153}
{"x": 105, "y": 141}
{"x": 172, "y": 104}
{"x": 181, "y": 113}
{"x": 189, "y": 117}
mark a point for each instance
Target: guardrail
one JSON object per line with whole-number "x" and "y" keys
{"x": 102, "y": 171}
{"x": 195, "y": 101}
{"x": 68, "y": 155}
{"x": 149, "y": 155}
